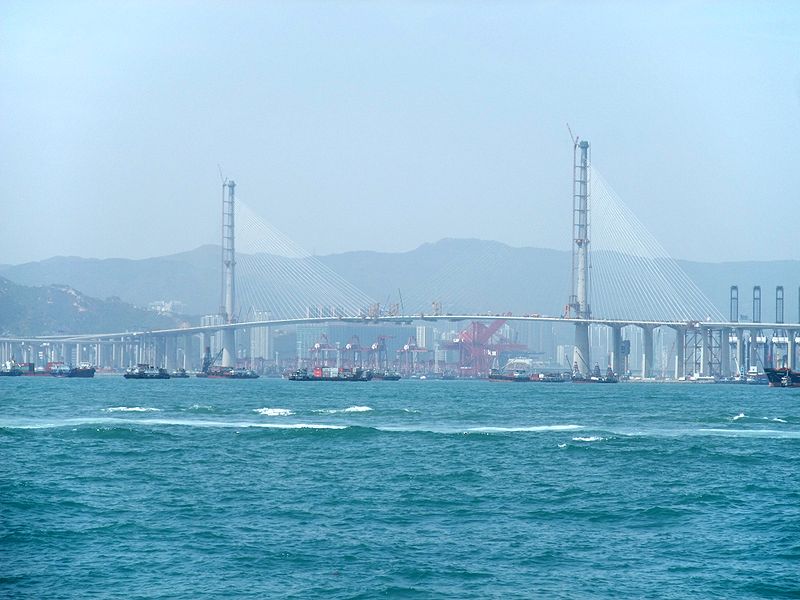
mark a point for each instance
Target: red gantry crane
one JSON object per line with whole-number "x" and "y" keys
{"x": 477, "y": 349}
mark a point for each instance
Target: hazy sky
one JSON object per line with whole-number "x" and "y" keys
{"x": 359, "y": 125}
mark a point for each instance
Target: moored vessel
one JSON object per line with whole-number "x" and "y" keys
{"x": 227, "y": 373}
{"x": 516, "y": 375}
{"x": 783, "y": 377}
{"x": 10, "y": 369}
{"x": 386, "y": 375}
{"x": 84, "y": 370}
{"x": 331, "y": 374}
{"x": 595, "y": 376}
{"x": 143, "y": 371}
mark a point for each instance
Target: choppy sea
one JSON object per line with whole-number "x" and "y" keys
{"x": 412, "y": 489}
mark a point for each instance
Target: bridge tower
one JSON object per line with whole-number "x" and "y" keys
{"x": 579, "y": 300}
{"x": 227, "y": 307}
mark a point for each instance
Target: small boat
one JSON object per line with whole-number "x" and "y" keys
{"x": 179, "y": 374}
{"x": 146, "y": 372}
{"x": 783, "y": 377}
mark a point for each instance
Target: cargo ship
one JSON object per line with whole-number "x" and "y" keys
{"x": 55, "y": 369}
{"x": 331, "y": 374}
{"x": 783, "y": 377}
{"x": 143, "y": 371}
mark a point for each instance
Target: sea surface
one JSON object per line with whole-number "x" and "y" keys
{"x": 412, "y": 489}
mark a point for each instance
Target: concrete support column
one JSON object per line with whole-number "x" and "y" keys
{"x": 617, "y": 362}
{"x": 228, "y": 348}
{"x": 705, "y": 360}
{"x": 580, "y": 352}
{"x": 158, "y": 351}
{"x": 791, "y": 358}
{"x": 647, "y": 350}
{"x": 680, "y": 352}
{"x": 754, "y": 358}
{"x": 725, "y": 353}
{"x": 171, "y": 352}
{"x": 740, "y": 356}
{"x": 188, "y": 352}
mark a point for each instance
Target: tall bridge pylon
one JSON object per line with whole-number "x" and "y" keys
{"x": 228, "y": 305}
{"x": 579, "y": 300}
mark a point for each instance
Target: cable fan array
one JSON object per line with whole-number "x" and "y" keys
{"x": 633, "y": 277}
{"x": 277, "y": 279}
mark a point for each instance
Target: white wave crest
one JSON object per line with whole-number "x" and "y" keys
{"x": 751, "y": 433}
{"x": 131, "y": 409}
{"x": 741, "y": 415}
{"x": 274, "y": 412}
{"x": 119, "y": 422}
{"x": 349, "y": 409}
{"x": 590, "y": 438}
{"x": 532, "y": 428}
{"x": 778, "y": 420}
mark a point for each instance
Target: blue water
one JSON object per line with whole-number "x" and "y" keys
{"x": 412, "y": 489}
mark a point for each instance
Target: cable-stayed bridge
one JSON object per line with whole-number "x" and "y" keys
{"x": 621, "y": 278}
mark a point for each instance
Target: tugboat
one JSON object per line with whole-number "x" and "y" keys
{"x": 83, "y": 370}
{"x": 299, "y": 375}
{"x": 783, "y": 377}
{"x": 10, "y": 369}
{"x": 386, "y": 375}
{"x": 143, "y": 371}
{"x": 594, "y": 377}
{"x": 515, "y": 375}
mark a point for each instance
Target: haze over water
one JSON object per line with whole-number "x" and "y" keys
{"x": 430, "y": 489}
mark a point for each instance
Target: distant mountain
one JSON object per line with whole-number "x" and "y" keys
{"x": 59, "y": 309}
{"x": 462, "y": 274}
{"x": 192, "y": 277}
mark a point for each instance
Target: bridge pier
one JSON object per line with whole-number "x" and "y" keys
{"x": 580, "y": 352}
{"x": 680, "y": 352}
{"x": 188, "y": 352}
{"x": 171, "y": 352}
{"x": 792, "y": 349}
{"x": 725, "y": 352}
{"x": 706, "y": 354}
{"x": 617, "y": 362}
{"x": 647, "y": 351}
